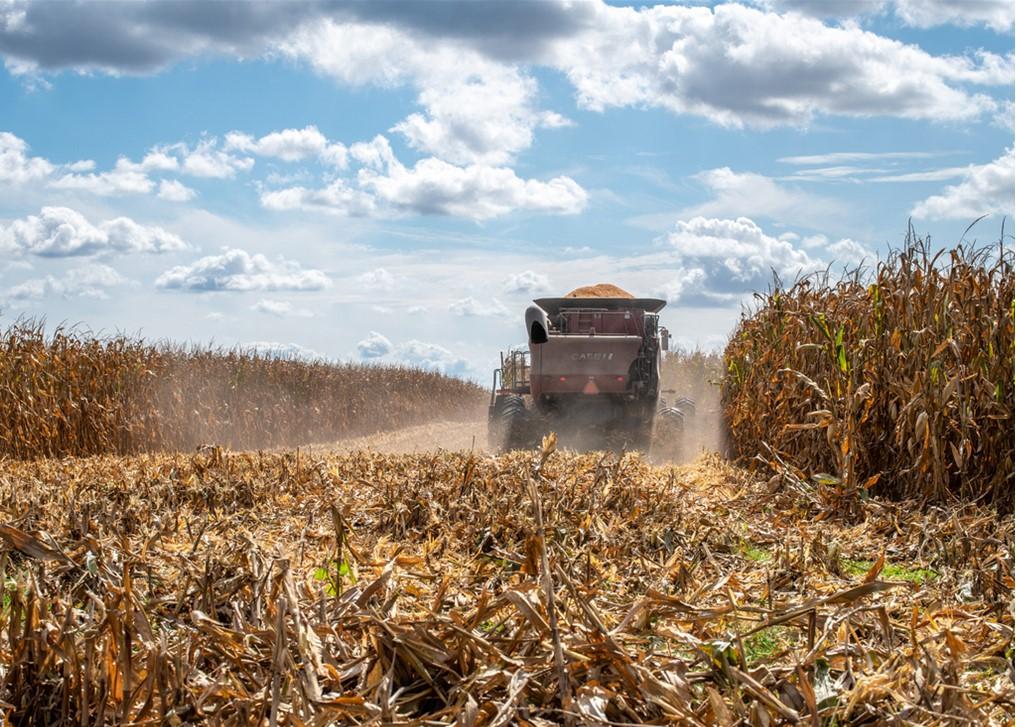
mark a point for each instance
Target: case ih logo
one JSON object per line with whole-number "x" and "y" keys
{"x": 593, "y": 356}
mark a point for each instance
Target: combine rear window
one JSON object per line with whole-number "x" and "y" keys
{"x": 587, "y": 321}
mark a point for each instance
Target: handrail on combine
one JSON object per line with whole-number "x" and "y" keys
{"x": 513, "y": 374}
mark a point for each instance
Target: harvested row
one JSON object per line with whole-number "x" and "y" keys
{"x": 897, "y": 382}
{"x": 74, "y": 394}
{"x": 544, "y": 587}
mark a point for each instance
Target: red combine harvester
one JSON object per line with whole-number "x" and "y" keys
{"x": 591, "y": 374}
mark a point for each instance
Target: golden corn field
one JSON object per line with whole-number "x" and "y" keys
{"x": 895, "y": 383}
{"x": 859, "y": 572}
{"x": 454, "y": 588}
{"x": 73, "y": 394}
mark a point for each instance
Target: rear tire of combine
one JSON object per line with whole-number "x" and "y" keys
{"x": 672, "y": 419}
{"x": 514, "y": 424}
{"x": 669, "y": 435}
{"x": 686, "y": 406}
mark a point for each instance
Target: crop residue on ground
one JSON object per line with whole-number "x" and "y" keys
{"x": 298, "y": 588}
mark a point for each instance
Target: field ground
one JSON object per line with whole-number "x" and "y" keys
{"x": 344, "y": 585}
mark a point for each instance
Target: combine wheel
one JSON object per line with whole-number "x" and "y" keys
{"x": 495, "y": 425}
{"x": 672, "y": 418}
{"x": 514, "y": 424}
{"x": 686, "y": 406}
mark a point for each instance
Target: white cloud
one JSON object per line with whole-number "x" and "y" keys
{"x": 737, "y": 65}
{"x": 86, "y": 281}
{"x": 487, "y": 118}
{"x": 722, "y": 260}
{"x": 838, "y": 157}
{"x": 470, "y": 307}
{"x": 930, "y": 175}
{"x": 746, "y": 194}
{"x": 337, "y": 198}
{"x": 849, "y": 253}
{"x": 275, "y": 349}
{"x": 375, "y": 345}
{"x": 526, "y": 282}
{"x": 175, "y": 191}
{"x": 290, "y": 145}
{"x": 430, "y": 356}
{"x": 475, "y": 110}
{"x": 236, "y": 270}
{"x": 63, "y": 232}
{"x": 206, "y": 160}
{"x": 996, "y": 14}
{"x": 280, "y": 308}
{"x": 16, "y": 167}
{"x": 126, "y": 177}
{"x": 684, "y": 282}
{"x": 986, "y": 189}
{"x": 378, "y": 279}
{"x": 479, "y": 192}
{"x": 737, "y": 250}
{"x": 431, "y": 186}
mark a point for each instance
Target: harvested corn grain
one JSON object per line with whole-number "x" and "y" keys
{"x": 600, "y": 290}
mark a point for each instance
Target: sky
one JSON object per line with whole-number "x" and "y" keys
{"x": 394, "y": 181}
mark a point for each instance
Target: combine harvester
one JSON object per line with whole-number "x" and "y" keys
{"x": 591, "y": 374}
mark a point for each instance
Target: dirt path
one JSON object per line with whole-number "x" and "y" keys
{"x": 452, "y": 436}
{"x": 472, "y": 435}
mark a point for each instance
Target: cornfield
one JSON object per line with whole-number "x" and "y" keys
{"x": 895, "y": 382}
{"x": 149, "y": 583}
{"x": 71, "y": 394}
{"x": 535, "y": 588}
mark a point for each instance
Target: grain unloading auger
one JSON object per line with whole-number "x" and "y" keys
{"x": 591, "y": 374}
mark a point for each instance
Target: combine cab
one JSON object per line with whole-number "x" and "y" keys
{"x": 591, "y": 374}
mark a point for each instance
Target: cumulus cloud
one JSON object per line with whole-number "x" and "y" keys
{"x": 276, "y": 349}
{"x": 125, "y": 177}
{"x": 207, "y": 160}
{"x": 747, "y": 194}
{"x": 684, "y": 282}
{"x": 338, "y": 198}
{"x": 86, "y": 281}
{"x": 236, "y": 270}
{"x": 430, "y": 356}
{"x": 290, "y": 145}
{"x": 475, "y": 110}
{"x": 63, "y": 232}
{"x": 377, "y": 279}
{"x": 431, "y": 187}
{"x": 472, "y": 308}
{"x": 16, "y": 166}
{"x": 996, "y": 14}
{"x": 986, "y": 189}
{"x": 730, "y": 63}
{"x": 175, "y": 191}
{"x": 478, "y": 191}
{"x": 722, "y": 259}
{"x": 280, "y": 309}
{"x": 526, "y": 282}
{"x": 738, "y": 65}
{"x": 375, "y": 345}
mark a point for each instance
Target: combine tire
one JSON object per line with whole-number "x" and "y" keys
{"x": 672, "y": 419}
{"x": 514, "y": 420}
{"x": 686, "y": 406}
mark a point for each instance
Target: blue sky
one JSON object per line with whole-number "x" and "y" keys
{"x": 393, "y": 181}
